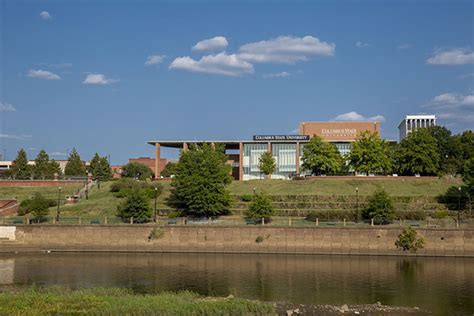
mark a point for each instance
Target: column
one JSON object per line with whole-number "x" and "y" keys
{"x": 185, "y": 146}
{"x": 241, "y": 161}
{"x": 297, "y": 158}
{"x": 157, "y": 160}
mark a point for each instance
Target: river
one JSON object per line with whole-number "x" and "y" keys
{"x": 441, "y": 285}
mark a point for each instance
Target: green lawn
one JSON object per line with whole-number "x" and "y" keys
{"x": 49, "y": 192}
{"x": 113, "y": 301}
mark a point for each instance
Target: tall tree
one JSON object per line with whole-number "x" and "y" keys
{"x": 170, "y": 169}
{"x": 321, "y": 157}
{"x": 136, "y": 205}
{"x": 41, "y": 169}
{"x": 418, "y": 154}
{"x": 20, "y": 169}
{"x": 468, "y": 176}
{"x": 266, "y": 163}
{"x": 75, "y": 166}
{"x": 201, "y": 179}
{"x": 54, "y": 168}
{"x": 369, "y": 154}
{"x": 449, "y": 150}
{"x": 100, "y": 169}
{"x": 137, "y": 171}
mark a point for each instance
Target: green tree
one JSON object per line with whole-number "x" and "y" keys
{"x": 418, "y": 154}
{"x": 260, "y": 207}
{"x": 75, "y": 166}
{"x": 54, "y": 168}
{"x": 100, "y": 169}
{"x": 39, "y": 206}
{"x": 200, "y": 182}
{"x": 369, "y": 154}
{"x": 449, "y": 149}
{"x": 380, "y": 207}
{"x": 170, "y": 169}
{"x": 137, "y": 170}
{"x": 136, "y": 205}
{"x": 20, "y": 169}
{"x": 266, "y": 163}
{"x": 321, "y": 157}
{"x": 408, "y": 240}
{"x": 42, "y": 168}
{"x": 468, "y": 176}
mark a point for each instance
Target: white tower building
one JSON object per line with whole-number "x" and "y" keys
{"x": 412, "y": 122}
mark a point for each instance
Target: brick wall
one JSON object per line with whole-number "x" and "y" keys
{"x": 38, "y": 183}
{"x": 150, "y": 162}
{"x": 374, "y": 241}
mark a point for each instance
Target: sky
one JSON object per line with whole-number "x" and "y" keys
{"x": 107, "y": 76}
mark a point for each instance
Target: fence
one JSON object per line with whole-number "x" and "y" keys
{"x": 238, "y": 221}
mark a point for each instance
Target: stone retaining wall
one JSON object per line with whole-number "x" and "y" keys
{"x": 255, "y": 239}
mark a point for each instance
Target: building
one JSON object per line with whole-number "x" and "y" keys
{"x": 150, "y": 162}
{"x": 287, "y": 150}
{"x": 412, "y": 122}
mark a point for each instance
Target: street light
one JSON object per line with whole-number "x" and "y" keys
{"x": 59, "y": 200}
{"x": 357, "y": 204}
{"x": 156, "y": 194}
{"x": 254, "y": 189}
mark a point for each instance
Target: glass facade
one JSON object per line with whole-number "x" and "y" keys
{"x": 343, "y": 148}
{"x": 252, "y": 153}
{"x": 285, "y": 158}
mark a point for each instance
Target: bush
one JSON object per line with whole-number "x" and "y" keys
{"x": 124, "y": 186}
{"x": 331, "y": 215}
{"x": 38, "y": 205}
{"x": 136, "y": 205}
{"x": 380, "y": 207}
{"x": 137, "y": 171}
{"x": 261, "y": 207}
{"x": 247, "y": 197}
{"x": 408, "y": 240}
{"x": 440, "y": 214}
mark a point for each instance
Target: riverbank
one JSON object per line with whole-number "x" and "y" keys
{"x": 230, "y": 239}
{"x": 119, "y": 301}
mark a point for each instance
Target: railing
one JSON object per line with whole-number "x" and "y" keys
{"x": 238, "y": 221}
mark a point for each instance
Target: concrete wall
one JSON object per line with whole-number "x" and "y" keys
{"x": 439, "y": 242}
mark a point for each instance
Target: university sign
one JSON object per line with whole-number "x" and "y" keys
{"x": 281, "y": 137}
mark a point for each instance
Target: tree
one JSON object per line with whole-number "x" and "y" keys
{"x": 170, "y": 169}
{"x": 200, "y": 182}
{"x": 75, "y": 166}
{"x": 468, "y": 176}
{"x": 100, "y": 169}
{"x": 137, "y": 171}
{"x": 449, "y": 149}
{"x": 54, "y": 168}
{"x": 380, "y": 207}
{"x": 260, "y": 207}
{"x": 37, "y": 205}
{"x": 369, "y": 154}
{"x": 408, "y": 240}
{"x": 20, "y": 169}
{"x": 266, "y": 163}
{"x": 418, "y": 154}
{"x": 42, "y": 168}
{"x": 136, "y": 205}
{"x": 321, "y": 157}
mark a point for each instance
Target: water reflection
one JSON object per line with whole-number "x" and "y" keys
{"x": 438, "y": 284}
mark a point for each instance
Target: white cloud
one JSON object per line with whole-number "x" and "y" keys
{"x": 17, "y": 137}
{"x": 276, "y": 75}
{"x": 285, "y": 49}
{"x": 45, "y": 15}
{"x": 220, "y": 64}
{"x": 154, "y": 60}
{"x": 452, "y": 100}
{"x": 98, "y": 79}
{"x": 43, "y": 74}
{"x": 57, "y": 153}
{"x": 218, "y": 42}
{"x": 356, "y": 117}
{"x": 455, "y": 56}
{"x": 360, "y": 44}
{"x": 454, "y": 107}
{"x": 7, "y": 107}
{"x": 404, "y": 46}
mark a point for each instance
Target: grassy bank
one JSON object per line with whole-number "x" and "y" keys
{"x": 23, "y": 193}
{"x": 112, "y": 301}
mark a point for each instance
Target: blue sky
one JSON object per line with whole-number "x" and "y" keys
{"x": 106, "y": 76}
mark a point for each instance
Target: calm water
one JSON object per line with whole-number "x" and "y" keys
{"x": 442, "y": 285}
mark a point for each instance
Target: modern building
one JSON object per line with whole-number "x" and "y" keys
{"x": 412, "y": 122}
{"x": 287, "y": 150}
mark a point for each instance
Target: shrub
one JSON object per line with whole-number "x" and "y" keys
{"x": 440, "y": 214}
{"x": 261, "y": 207}
{"x": 408, "y": 240}
{"x": 124, "y": 186}
{"x": 38, "y": 205}
{"x": 247, "y": 197}
{"x": 136, "y": 170}
{"x": 136, "y": 205}
{"x": 380, "y": 207}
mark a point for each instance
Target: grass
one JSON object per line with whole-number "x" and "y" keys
{"x": 23, "y": 193}
{"x": 114, "y": 301}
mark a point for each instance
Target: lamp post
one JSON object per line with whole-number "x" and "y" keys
{"x": 59, "y": 200}
{"x": 156, "y": 194}
{"x": 357, "y": 204}
{"x": 459, "y": 203}
{"x": 254, "y": 190}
